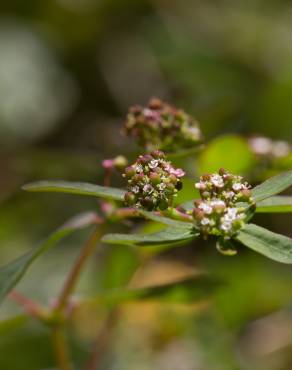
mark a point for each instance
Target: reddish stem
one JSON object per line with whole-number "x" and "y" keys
{"x": 31, "y": 307}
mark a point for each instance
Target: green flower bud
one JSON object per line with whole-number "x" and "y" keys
{"x": 163, "y": 204}
{"x": 130, "y": 198}
{"x": 129, "y": 172}
{"x": 155, "y": 178}
{"x": 120, "y": 162}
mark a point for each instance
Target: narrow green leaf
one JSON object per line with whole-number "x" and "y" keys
{"x": 272, "y": 186}
{"x": 276, "y": 204}
{"x": 188, "y": 290}
{"x": 275, "y": 246}
{"x": 11, "y": 273}
{"x": 164, "y": 220}
{"x": 167, "y": 236}
{"x": 80, "y": 188}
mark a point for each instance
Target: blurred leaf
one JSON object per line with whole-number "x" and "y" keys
{"x": 187, "y": 290}
{"x": 277, "y": 204}
{"x": 164, "y": 220}
{"x": 188, "y": 191}
{"x": 188, "y": 206}
{"x": 230, "y": 152}
{"x": 272, "y": 186}
{"x": 168, "y": 236}
{"x": 12, "y": 323}
{"x": 275, "y": 246}
{"x": 11, "y": 273}
{"x": 116, "y": 268}
{"x": 184, "y": 153}
{"x": 80, "y": 188}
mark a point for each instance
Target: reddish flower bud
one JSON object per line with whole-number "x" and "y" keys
{"x": 130, "y": 198}
{"x": 129, "y": 172}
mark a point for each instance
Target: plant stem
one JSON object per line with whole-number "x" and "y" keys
{"x": 101, "y": 342}
{"x": 61, "y": 348}
{"x": 74, "y": 274}
{"x": 31, "y": 307}
{"x": 176, "y": 215}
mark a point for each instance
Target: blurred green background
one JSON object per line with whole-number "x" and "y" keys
{"x": 69, "y": 70}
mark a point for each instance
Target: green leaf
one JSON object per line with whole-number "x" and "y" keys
{"x": 188, "y": 206}
{"x": 275, "y": 246}
{"x": 80, "y": 188}
{"x": 167, "y": 236}
{"x": 272, "y": 186}
{"x": 164, "y": 220}
{"x": 12, "y": 323}
{"x": 187, "y": 290}
{"x": 217, "y": 154}
{"x": 11, "y": 273}
{"x": 276, "y": 204}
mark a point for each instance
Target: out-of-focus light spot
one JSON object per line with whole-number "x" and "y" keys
{"x": 264, "y": 146}
{"x": 35, "y": 91}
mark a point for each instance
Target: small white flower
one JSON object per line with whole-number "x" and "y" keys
{"x": 161, "y": 186}
{"x": 217, "y": 180}
{"x": 205, "y": 221}
{"x": 193, "y": 132}
{"x": 228, "y": 194}
{"x": 139, "y": 168}
{"x": 217, "y": 202}
{"x": 226, "y": 226}
{"x": 231, "y": 213}
{"x": 200, "y": 185}
{"x": 148, "y": 188}
{"x": 135, "y": 189}
{"x": 153, "y": 164}
{"x": 205, "y": 207}
{"x": 237, "y": 186}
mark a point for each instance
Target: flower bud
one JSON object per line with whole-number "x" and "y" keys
{"x": 148, "y": 203}
{"x": 160, "y": 125}
{"x": 163, "y": 204}
{"x": 120, "y": 162}
{"x": 144, "y": 159}
{"x": 129, "y": 172}
{"x": 158, "y": 154}
{"x": 154, "y": 178}
{"x": 245, "y": 194}
{"x": 130, "y": 198}
{"x": 198, "y": 214}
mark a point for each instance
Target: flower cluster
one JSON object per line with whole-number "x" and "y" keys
{"x": 162, "y": 126}
{"x": 265, "y": 147}
{"x": 219, "y": 212}
{"x": 152, "y": 182}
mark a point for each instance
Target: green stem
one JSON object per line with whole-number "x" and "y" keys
{"x": 176, "y": 215}
{"x": 61, "y": 348}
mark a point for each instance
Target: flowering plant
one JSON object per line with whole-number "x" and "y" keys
{"x": 226, "y": 205}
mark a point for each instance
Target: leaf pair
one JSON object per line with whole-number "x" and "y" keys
{"x": 272, "y": 245}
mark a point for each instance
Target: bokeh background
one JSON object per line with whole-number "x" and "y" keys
{"x": 69, "y": 70}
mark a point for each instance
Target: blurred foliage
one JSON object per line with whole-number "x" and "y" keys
{"x": 69, "y": 69}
